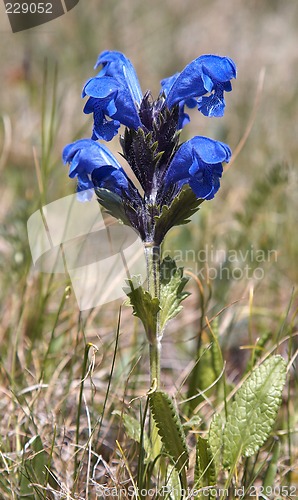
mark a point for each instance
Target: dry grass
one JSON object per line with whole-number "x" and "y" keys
{"x": 41, "y": 354}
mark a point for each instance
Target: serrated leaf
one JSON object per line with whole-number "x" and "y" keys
{"x": 133, "y": 429}
{"x": 184, "y": 205}
{"x": 169, "y": 428}
{"x": 172, "y": 284}
{"x": 253, "y": 413}
{"x": 144, "y": 306}
{"x": 205, "y": 474}
{"x": 113, "y": 204}
{"x": 215, "y": 438}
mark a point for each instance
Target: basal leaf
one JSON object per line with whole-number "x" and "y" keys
{"x": 253, "y": 412}
{"x": 172, "y": 284}
{"x": 205, "y": 474}
{"x": 173, "y": 485}
{"x": 184, "y": 205}
{"x": 169, "y": 428}
{"x": 144, "y": 306}
{"x": 215, "y": 439}
{"x": 133, "y": 429}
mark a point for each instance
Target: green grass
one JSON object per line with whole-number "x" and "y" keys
{"x": 70, "y": 381}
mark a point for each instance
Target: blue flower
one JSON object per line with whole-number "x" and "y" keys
{"x": 198, "y": 162}
{"x": 166, "y": 85}
{"x": 114, "y": 96}
{"x": 111, "y": 178}
{"x": 206, "y": 74}
{"x": 84, "y": 156}
{"x": 150, "y": 143}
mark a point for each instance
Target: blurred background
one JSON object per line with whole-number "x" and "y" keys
{"x": 42, "y": 73}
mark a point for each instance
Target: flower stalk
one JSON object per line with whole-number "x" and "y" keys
{"x": 175, "y": 178}
{"x": 152, "y": 254}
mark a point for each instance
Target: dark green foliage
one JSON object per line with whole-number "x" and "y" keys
{"x": 112, "y": 203}
{"x": 169, "y": 428}
{"x": 183, "y": 206}
{"x": 205, "y": 474}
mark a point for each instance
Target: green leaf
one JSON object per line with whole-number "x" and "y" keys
{"x": 205, "y": 474}
{"x": 172, "y": 284}
{"x": 184, "y": 205}
{"x": 253, "y": 413}
{"x": 215, "y": 439}
{"x": 144, "y": 306}
{"x": 169, "y": 428}
{"x": 133, "y": 429}
{"x": 113, "y": 204}
{"x": 173, "y": 485}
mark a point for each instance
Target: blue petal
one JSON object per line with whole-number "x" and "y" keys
{"x": 84, "y": 156}
{"x": 119, "y": 66}
{"x": 110, "y": 98}
{"x": 101, "y": 87}
{"x": 88, "y": 155}
{"x": 212, "y": 105}
{"x": 111, "y": 178}
{"x": 215, "y": 187}
{"x": 198, "y": 163}
{"x": 84, "y": 188}
{"x": 220, "y": 69}
{"x": 205, "y": 74}
{"x": 166, "y": 85}
{"x": 202, "y": 182}
{"x": 103, "y": 128}
{"x": 211, "y": 151}
{"x": 116, "y": 94}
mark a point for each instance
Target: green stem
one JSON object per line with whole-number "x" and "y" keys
{"x": 152, "y": 253}
{"x": 155, "y": 350}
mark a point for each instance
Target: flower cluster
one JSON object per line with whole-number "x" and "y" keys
{"x": 166, "y": 170}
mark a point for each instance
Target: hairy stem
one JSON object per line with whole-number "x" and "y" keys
{"x": 152, "y": 253}
{"x": 155, "y": 350}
